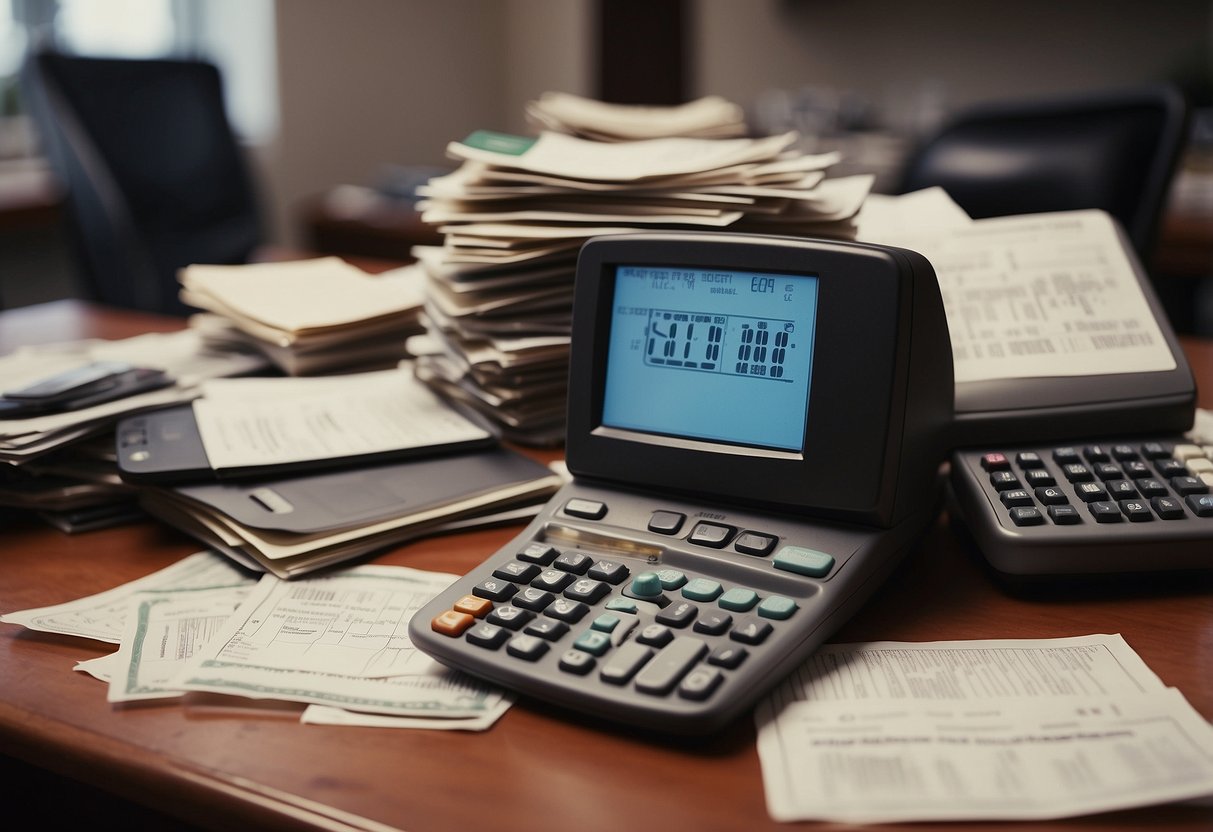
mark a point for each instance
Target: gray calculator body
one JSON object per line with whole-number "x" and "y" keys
{"x": 756, "y": 427}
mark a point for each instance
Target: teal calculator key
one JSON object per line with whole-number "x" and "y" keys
{"x": 592, "y": 641}
{"x": 605, "y": 623}
{"x": 621, "y": 605}
{"x": 671, "y": 578}
{"x": 804, "y": 561}
{"x": 739, "y": 599}
{"x": 777, "y": 607}
{"x": 702, "y": 589}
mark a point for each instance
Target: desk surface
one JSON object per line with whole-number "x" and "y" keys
{"x": 223, "y": 768}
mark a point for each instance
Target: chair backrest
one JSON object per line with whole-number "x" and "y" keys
{"x": 155, "y": 177}
{"x": 1115, "y": 149}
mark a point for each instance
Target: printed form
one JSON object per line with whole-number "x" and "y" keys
{"x": 978, "y": 730}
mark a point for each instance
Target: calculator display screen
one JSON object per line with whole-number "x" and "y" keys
{"x": 717, "y": 355}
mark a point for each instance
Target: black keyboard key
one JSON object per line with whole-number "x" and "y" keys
{"x": 1105, "y": 511}
{"x": 1015, "y": 497}
{"x": 1136, "y": 510}
{"x": 1089, "y": 492}
{"x": 1004, "y": 480}
{"x": 1025, "y": 516}
{"x": 1066, "y": 515}
{"x": 1051, "y": 496}
{"x": 1168, "y": 508}
{"x": 671, "y": 663}
{"x": 1200, "y": 504}
{"x": 1184, "y": 486}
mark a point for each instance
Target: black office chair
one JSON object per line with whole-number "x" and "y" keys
{"x": 155, "y": 178}
{"x": 1115, "y": 149}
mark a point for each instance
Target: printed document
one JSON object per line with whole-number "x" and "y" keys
{"x": 274, "y": 421}
{"x": 978, "y": 730}
{"x": 1037, "y": 295}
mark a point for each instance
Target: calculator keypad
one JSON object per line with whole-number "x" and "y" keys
{"x": 662, "y": 632}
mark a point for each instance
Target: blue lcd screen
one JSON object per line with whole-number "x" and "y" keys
{"x": 710, "y": 354}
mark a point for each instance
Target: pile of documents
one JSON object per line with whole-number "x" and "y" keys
{"x": 308, "y": 472}
{"x": 62, "y": 464}
{"x": 308, "y": 316}
{"x": 516, "y": 211}
{"x": 201, "y": 624}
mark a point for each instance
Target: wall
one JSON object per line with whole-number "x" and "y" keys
{"x": 393, "y": 81}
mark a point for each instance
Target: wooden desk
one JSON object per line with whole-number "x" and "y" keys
{"x": 226, "y": 768}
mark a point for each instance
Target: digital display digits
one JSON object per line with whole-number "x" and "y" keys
{"x": 708, "y": 354}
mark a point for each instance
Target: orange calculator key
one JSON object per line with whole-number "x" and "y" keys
{"x": 451, "y": 623}
{"x": 478, "y": 607}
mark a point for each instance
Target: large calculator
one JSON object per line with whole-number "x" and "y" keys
{"x": 1109, "y": 505}
{"x": 756, "y": 427}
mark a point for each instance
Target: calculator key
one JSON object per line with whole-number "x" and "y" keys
{"x": 1188, "y": 485}
{"x": 1200, "y": 504}
{"x": 671, "y": 663}
{"x": 451, "y": 623}
{"x": 548, "y": 628}
{"x": 1027, "y": 516}
{"x": 803, "y": 561}
{"x": 552, "y": 580}
{"x": 1066, "y": 455}
{"x": 1036, "y": 477}
{"x": 1016, "y": 497}
{"x": 713, "y": 623}
{"x": 755, "y": 543}
{"x": 728, "y": 656}
{"x": 738, "y": 599}
{"x": 1066, "y": 515}
{"x": 753, "y": 631}
{"x": 1186, "y": 451}
{"x": 1121, "y": 489}
{"x": 1029, "y": 459}
{"x": 1077, "y": 472}
{"x": 488, "y": 635}
{"x": 646, "y": 585}
{"x": 1150, "y": 487}
{"x": 473, "y": 606}
{"x": 527, "y": 647}
{"x": 1004, "y": 480}
{"x": 777, "y": 607}
{"x": 1168, "y": 508}
{"x": 1136, "y": 510}
{"x": 1105, "y": 512}
{"x": 1123, "y": 452}
{"x": 671, "y": 578}
{"x": 510, "y": 617}
{"x": 605, "y": 623}
{"x": 1089, "y": 492}
{"x": 586, "y": 509}
{"x": 666, "y": 522}
{"x": 700, "y": 683}
{"x": 576, "y": 661}
{"x": 658, "y": 635}
{"x": 588, "y": 590}
{"x": 995, "y": 462}
{"x": 611, "y": 571}
{"x": 575, "y": 562}
{"x": 624, "y": 664}
{"x": 517, "y": 571}
{"x": 539, "y": 553}
{"x": 678, "y": 614}
{"x": 593, "y": 642}
{"x": 702, "y": 589}
{"x": 1051, "y": 496}
{"x": 494, "y": 589}
{"x": 532, "y": 598}
{"x": 1154, "y": 450}
{"x": 620, "y": 604}
{"x": 1168, "y": 468}
{"x": 1108, "y": 471}
{"x": 714, "y": 535}
{"x": 1096, "y": 453}
{"x": 567, "y": 610}
{"x": 1135, "y": 469}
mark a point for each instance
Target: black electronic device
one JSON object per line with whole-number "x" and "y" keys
{"x": 755, "y": 432}
{"x": 1111, "y": 506}
{"x": 84, "y": 386}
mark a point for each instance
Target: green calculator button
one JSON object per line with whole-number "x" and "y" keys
{"x": 605, "y": 623}
{"x": 671, "y": 578}
{"x": 593, "y": 642}
{"x": 702, "y": 589}
{"x": 621, "y": 605}
{"x": 804, "y": 561}
{"x": 777, "y": 607}
{"x": 739, "y": 599}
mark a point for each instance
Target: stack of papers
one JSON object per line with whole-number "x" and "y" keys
{"x": 308, "y": 316}
{"x": 298, "y": 524}
{"x": 710, "y": 117}
{"x": 517, "y": 210}
{"x": 354, "y": 670}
